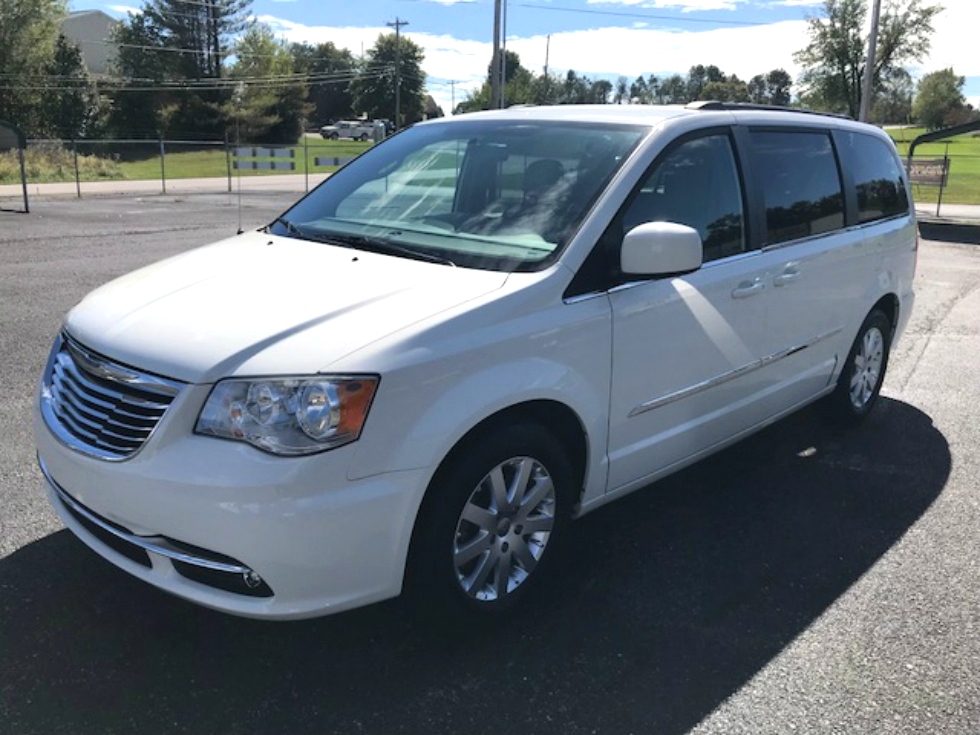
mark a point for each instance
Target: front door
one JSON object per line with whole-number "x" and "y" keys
{"x": 688, "y": 369}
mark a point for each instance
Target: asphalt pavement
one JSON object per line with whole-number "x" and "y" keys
{"x": 807, "y": 580}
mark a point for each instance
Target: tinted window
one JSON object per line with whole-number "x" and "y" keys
{"x": 697, "y": 185}
{"x": 800, "y": 182}
{"x": 877, "y": 178}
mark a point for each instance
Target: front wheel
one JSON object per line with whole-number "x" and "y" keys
{"x": 493, "y": 521}
{"x": 860, "y": 381}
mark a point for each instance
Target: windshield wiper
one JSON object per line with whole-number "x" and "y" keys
{"x": 290, "y": 227}
{"x": 377, "y": 245}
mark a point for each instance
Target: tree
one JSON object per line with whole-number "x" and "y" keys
{"x": 893, "y": 102}
{"x": 432, "y": 109}
{"x": 331, "y": 70}
{"x": 673, "y": 91}
{"x": 833, "y": 61}
{"x": 28, "y": 34}
{"x": 198, "y": 32}
{"x": 939, "y": 100}
{"x": 770, "y": 89}
{"x": 139, "y": 66}
{"x": 520, "y": 87}
{"x": 698, "y": 77}
{"x": 373, "y": 89}
{"x": 270, "y": 105}
{"x": 71, "y": 110}
{"x": 731, "y": 90}
{"x": 183, "y": 42}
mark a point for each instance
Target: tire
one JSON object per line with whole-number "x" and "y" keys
{"x": 492, "y": 523}
{"x": 860, "y": 381}
{"x": 334, "y": 136}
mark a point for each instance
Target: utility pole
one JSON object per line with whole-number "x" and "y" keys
{"x": 397, "y": 25}
{"x": 869, "y": 66}
{"x": 495, "y": 59}
{"x": 547, "y": 79}
{"x": 452, "y": 86}
{"x": 503, "y": 57}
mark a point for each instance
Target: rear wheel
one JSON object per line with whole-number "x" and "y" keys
{"x": 860, "y": 381}
{"x": 493, "y": 522}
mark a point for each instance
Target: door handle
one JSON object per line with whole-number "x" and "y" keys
{"x": 790, "y": 273}
{"x": 748, "y": 288}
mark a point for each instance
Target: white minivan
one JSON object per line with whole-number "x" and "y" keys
{"x": 477, "y": 331}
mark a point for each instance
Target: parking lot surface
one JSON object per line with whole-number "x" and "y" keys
{"x": 805, "y": 580}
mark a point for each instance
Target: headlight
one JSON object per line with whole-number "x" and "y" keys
{"x": 289, "y": 416}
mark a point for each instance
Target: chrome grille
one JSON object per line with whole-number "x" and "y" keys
{"x": 100, "y": 407}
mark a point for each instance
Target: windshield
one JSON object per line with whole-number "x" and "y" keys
{"x": 501, "y": 195}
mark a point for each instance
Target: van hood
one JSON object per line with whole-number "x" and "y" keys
{"x": 258, "y": 304}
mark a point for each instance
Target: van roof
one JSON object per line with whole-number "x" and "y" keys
{"x": 646, "y": 114}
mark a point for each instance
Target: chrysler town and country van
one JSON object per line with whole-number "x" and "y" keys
{"x": 479, "y": 330}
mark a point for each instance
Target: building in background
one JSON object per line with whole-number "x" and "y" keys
{"x": 92, "y": 31}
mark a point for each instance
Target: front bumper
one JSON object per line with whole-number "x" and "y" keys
{"x": 226, "y": 526}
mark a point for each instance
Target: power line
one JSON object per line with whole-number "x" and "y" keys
{"x": 648, "y": 16}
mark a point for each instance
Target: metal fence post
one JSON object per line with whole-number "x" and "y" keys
{"x": 23, "y": 175}
{"x": 74, "y": 154}
{"x": 163, "y": 167}
{"x": 228, "y": 160}
{"x": 306, "y": 160}
{"x": 943, "y": 180}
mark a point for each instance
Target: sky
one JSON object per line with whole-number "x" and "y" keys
{"x": 597, "y": 38}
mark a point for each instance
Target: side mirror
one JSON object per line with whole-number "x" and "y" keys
{"x": 660, "y": 249}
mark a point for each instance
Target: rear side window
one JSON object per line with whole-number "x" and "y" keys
{"x": 801, "y": 183}
{"x": 880, "y": 187}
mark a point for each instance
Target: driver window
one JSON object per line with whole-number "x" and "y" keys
{"x": 696, "y": 184}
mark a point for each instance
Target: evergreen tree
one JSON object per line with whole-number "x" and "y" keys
{"x": 183, "y": 44}
{"x": 140, "y": 67}
{"x": 71, "y": 110}
{"x": 198, "y": 33}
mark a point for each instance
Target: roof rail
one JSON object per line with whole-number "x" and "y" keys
{"x": 715, "y": 105}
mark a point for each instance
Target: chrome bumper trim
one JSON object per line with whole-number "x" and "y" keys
{"x": 152, "y": 544}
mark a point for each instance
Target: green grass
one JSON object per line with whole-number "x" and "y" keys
{"x": 139, "y": 161}
{"x": 116, "y": 161}
{"x": 963, "y": 186}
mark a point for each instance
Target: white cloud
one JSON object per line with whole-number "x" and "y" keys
{"x": 742, "y": 50}
{"x": 683, "y": 5}
{"x": 798, "y": 3}
{"x": 124, "y": 9}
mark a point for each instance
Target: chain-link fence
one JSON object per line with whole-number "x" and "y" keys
{"x": 170, "y": 166}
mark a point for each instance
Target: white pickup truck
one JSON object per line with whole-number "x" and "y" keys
{"x": 354, "y": 129}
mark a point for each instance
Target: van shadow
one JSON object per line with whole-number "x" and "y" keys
{"x": 958, "y": 232}
{"x": 669, "y": 602}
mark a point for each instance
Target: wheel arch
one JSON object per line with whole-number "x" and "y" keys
{"x": 889, "y": 305}
{"x": 554, "y": 416}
